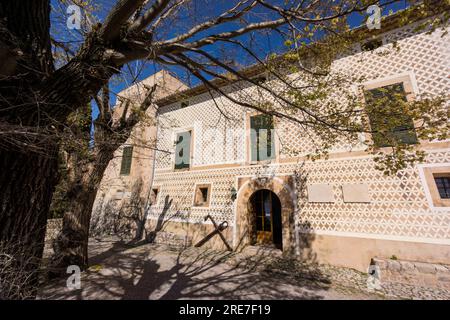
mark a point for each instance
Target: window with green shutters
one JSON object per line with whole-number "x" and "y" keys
{"x": 388, "y": 123}
{"x": 183, "y": 150}
{"x": 127, "y": 156}
{"x": 262, "y": 140}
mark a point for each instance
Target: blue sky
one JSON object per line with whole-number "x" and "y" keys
{"x": 263, "y": 44}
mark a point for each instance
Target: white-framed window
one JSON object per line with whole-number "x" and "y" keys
{"x": 436, "y": 182}
{"x": 183, "y": 146}
{"x": 382, "y": 92}
{"x": 202, "y": 195}
{"x": 262, "y": 137}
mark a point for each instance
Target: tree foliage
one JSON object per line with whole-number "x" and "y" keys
{"x": 46, "y": 83}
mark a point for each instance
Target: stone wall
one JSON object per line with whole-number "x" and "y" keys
{"x": 420, "y": 273}
{"x": 116, "y": 188}
{"x": 170, "y": 239}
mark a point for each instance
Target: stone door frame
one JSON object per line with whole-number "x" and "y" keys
{"x": 283, "y": 187}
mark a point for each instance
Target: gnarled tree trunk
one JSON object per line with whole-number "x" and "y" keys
{"x": 71, "y": 244}
{"x": 35, "y": 101}
{"x": 27, "y": 181}
{"x": 28, "y": 173}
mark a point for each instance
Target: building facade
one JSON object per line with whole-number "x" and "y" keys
{"x": 340, "y": 210}
{"x": 130, "y": 173}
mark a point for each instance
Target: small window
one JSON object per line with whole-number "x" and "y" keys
{"x": 184, "y": 104}
{"x": 154, "y": 196}
{"x": 372, "y": 44}
{"x": 260, "y": 79}
{"x": 437, "y": 182}
{"x": 127, "y": 157}
{"x": 443, "y": 186}
{"x": 202, "y": 195}
{"x": 183, "y": 150}
{"x": 262, "y": 140}
{"x": 388, "y": 124}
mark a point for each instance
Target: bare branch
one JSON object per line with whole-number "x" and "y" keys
{"x": 122, "y": 11}
{"x": 168, "y": 12}
{"x": 143, "y": 21}
{"x": 227, "y": 35}
{"x": 227, "y": 16}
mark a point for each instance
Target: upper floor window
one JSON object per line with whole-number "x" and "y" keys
{"x": 260, "y": 79}
{"x": 184, "y": 104}
{"x": 183, "y": 150}
{"x": 371, "y": 44}
{"x": 262, "y": 138}
{"x": 443, "y": 185}
{"x": 388, "y": 123}
{"x": 127, "y": 157}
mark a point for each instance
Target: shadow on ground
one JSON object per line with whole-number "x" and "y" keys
{"x": 123, "y": 271}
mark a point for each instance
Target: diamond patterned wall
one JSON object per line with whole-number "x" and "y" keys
{"x": 398, "y": 206}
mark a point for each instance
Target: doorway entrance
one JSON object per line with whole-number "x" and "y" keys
{"x": 265, "y": 208}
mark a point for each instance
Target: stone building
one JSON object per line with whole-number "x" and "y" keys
{"x": 341, "y": 210}
{"x": 130, "y": 172}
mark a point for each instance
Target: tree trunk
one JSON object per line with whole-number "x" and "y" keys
{"x": 28, "y": 181}
{"x": 71, "y": 244}
{"x": 35, "y": 97}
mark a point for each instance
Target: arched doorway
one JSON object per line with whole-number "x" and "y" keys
{"x": 265, "y": 208}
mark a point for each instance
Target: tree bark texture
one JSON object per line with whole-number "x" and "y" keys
{"x": 27, "y": 184}
{"x": 35, "y": 97}
{"x": 71, "y": 244}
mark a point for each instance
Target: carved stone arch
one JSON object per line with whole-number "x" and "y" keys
{"x": 283, "y": 187}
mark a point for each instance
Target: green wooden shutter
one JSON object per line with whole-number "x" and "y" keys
{"x": 183, "y": 150}
{"x": 253, "y": 139}
{"x": 389, "y": 127}
{"x": 127, "y": 156}
{"x": 262, "y": 142}
{"x": 267, "y": 139}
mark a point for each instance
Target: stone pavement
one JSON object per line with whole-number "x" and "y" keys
{"x": 149, "y": 271}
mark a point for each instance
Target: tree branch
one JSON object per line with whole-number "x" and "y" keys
{"x": 121, "y": 12}
{"x": 143, "y": 21}
{"x": 227, "y": 16}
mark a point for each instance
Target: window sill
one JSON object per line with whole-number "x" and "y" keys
{"x": 181, "y": 170}
{"x": 263, "y": 162}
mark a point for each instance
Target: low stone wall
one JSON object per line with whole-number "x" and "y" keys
{"x": 419, "y": 273}
{"x": 169, "y": 238}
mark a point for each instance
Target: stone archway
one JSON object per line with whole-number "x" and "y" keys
{"x": 283, "y": 187}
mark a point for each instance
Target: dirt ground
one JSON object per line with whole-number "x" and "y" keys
{"x": 122, "y": 271}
